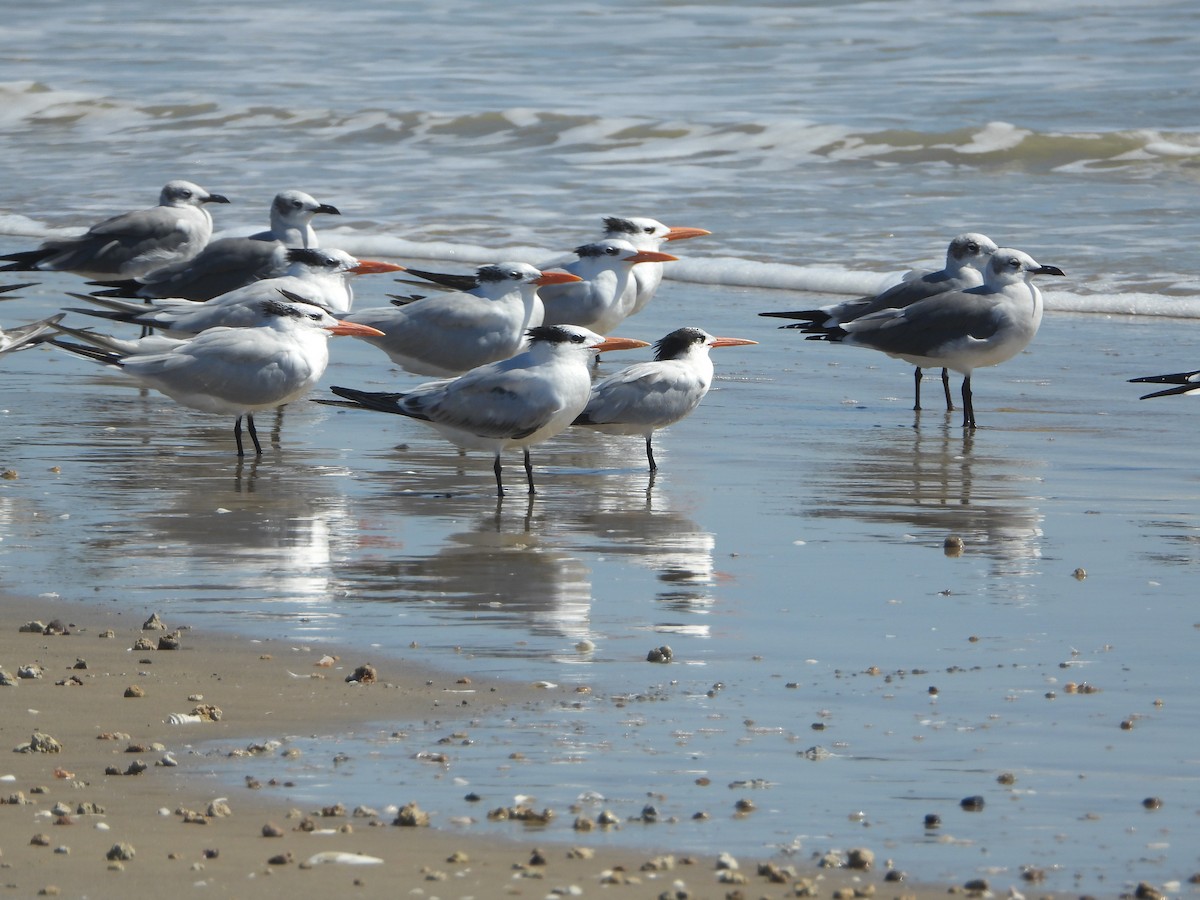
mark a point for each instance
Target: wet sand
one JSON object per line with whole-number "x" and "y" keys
{"x": 65, "y": 812}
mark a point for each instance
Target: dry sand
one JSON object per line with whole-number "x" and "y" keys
{"x": 171, "y": 817}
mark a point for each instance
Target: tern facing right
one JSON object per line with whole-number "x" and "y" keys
{"x": 517, "y": 402}
{"x": 647, "y": 396}
{"x": 966, "y": 258}
{"x": 447, "y": 334}
{"x": 237, "y": 371}
{"x": 961, "y": 330}
{"x": 319, "y": 277}
{"x": 133, "y": 243}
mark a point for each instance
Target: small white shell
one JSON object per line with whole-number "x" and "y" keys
{"x": 347, "y": 859}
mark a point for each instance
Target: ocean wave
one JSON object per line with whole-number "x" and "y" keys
{"x": 765, "y": 144}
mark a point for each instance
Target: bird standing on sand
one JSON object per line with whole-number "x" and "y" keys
{"x": 517, "y": 402}
{"x": 966, "y": 258}
{"x": 961, "y": 330}
{"x": 237, "y": 371}
{"x": 650, "y": 395}
{"x": 227, "y": 264}
{"x": 132, "y": 244}
{"x": 451, "y": 333}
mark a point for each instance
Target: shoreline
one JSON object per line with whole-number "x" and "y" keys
{"x": 116, "y": 751}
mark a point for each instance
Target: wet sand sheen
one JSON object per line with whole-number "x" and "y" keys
{"x": 790, "y": 551}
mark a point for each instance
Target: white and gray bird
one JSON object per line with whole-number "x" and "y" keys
{"x": 236, "y": 371}
{"x": 647, "y": 396}
{"x": 132, "y": 244}
{"x": 966, "y": 258}
{"x": 21, "y": 337}
{"x": 227, "y": 264}
{"x": 517, "y": 402}
{"x": 647, "y": 234}
{"x": 451, "y": 333}
{"x": 605, "y": 294}
{"x": 320, "y": 277}
{"x": 961, "y": 330}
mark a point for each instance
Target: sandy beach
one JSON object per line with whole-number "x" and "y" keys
{"x": 116, "y": 801}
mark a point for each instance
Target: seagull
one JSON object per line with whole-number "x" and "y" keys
{"x": 237, "y": 371}
{"x": 132, "y": 244}
{"x": 517, "y": 402}
{"x": 451, "y": 333}
{"x": 606, "y": 295}
{"x": 966, "y": 258}
{"x": 650, "y": 395}
{"x": 646, "y": 234}
{"x": 24, "y": 336}
{"x": 319, "y": 277}
{"x": 962, "y": 330}
{"x": 1184, "y": 383}
{"x": 233, "y": 262}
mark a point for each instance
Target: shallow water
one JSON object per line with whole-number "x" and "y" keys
{"x": 794, "y": 536}
{"x": 791, "y": 541}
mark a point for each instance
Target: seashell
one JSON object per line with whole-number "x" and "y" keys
{"x": 346, "y": 859}
{"x": 183, "y": 719}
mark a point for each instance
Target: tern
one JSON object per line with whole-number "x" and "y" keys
{"x": 606, "y": 292}
{"x": 647, "y": 396}
{"x": 23, "y": 336}
{"x": 237, "y": 371}
{"x": 233, "y": 262}
{"x": 319, "y": 277}
{"x": 966, "y": 258}
{"x": 1183, "y": 383}
{"x": 517, "y": 402}
{"x": 961, "y": 330}
{"x": 451, "y": 333}
{"x": 132, "y": 244}
{"x": 647, "y": 234}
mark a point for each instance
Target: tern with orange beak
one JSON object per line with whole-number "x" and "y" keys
{"x": 648, "y": 396}
{"x": 319, "y": 277}
{"x": 451, "y": 333}
{"x": 517, "y": 402}
{"x": 606, "y": 293}
{"x": 237, "y": 371}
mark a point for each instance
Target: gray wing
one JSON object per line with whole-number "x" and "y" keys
{"x": 921, "y": 328}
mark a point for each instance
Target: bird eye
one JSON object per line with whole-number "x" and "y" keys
{"x": 185, "y": 193}
{"x": 649, "y": 229}
{"x": 973, "y": 247}
{"x": 611, "y": 251}
{"x": 296, "y": 204}
{"x": 514, "y": 275}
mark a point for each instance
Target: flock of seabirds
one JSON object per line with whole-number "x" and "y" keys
{"x": 238, "y": 325}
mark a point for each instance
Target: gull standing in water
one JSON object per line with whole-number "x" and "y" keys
{"x": 517, "y": 402}
{"x": 227, "y": 264}
{"x": 647, "y": 396}
{"x": 319, "y": 277}
{"x": 966, "y": 258}
{"x": 132, "y": 244}
{"x": 451, "y": 333}
{"x": 237, "y": 371}
{"x": 961, "y": 330}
